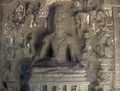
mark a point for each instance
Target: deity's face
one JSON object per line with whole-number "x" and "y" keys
{"x": 59, "y": 31}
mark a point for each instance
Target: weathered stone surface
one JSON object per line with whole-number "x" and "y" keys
{"x": 31, "y": 32}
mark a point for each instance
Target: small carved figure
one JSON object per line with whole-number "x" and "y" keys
{"x": 19, "y": 14}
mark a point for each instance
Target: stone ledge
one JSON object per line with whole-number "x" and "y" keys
{"x": 58, "y": 79}
{"x": 57, "y": 70}
{"x": 58, "y": 74}
{"x": 56, "y": 83}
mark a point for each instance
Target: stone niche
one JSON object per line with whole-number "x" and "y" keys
{"x": 58, "y": 45}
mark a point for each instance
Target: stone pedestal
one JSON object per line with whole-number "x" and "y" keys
{"x": 57, "y": 78}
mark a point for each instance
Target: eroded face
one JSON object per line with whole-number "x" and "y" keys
{"x": 59, "y": 31}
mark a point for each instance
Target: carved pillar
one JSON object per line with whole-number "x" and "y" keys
{"x": 1, "y": 11}
{"x": 38, "y": 87}
{"x": 84, "y": 86}
{"x": 49, "y": 87}
{"x": 68, "y": 87}
{"x": 59, "y": 87}
{"x": 31, "y": 87}
{"x": 116, "y": 15}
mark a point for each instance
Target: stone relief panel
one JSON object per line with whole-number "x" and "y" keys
{"x": 73, "y": 33}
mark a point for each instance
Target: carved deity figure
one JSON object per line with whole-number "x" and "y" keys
{"x": 63, "y": 43}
